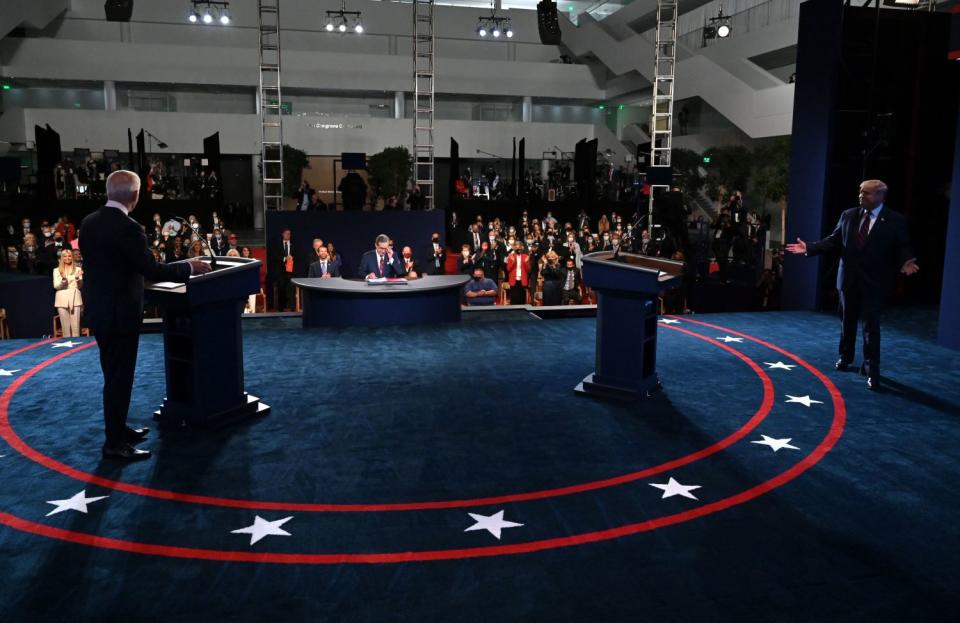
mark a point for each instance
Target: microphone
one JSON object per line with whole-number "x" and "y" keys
{"x": 196, "y": 229}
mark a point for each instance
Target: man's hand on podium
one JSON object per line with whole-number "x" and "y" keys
{"x": 199, "y": 267}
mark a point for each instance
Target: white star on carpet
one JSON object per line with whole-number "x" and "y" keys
{"x": 776, "y": 444}
{"x": 67, "y": 344}
{"x": 669, "y": 321}
{"x": 780, "y": 365}
{"x": 492, "y": 524}
{"x": 7, "y": 372}
{"x": 728, "y": 339}
{"x": 673, "y": 488}
{"x": 804, "y": 400}
{"x": 76, "y": 503}
{"x": 262, "y": 528}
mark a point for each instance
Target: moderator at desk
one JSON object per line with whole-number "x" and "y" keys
{"x": 341, "y": 302}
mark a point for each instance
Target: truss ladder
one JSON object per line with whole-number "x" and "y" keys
{"x": 661, "y": 123}
{"x": 423, "y": 100}
{"x": 269, "y": 105}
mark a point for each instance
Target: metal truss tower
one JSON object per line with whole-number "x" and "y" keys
{"x": 661, "y": 122}
{"x": 269, "y": 105}
{"x": 423, "y": 100}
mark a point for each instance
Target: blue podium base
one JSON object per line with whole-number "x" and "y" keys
{"x": 177, "y": 415}
{"x": 645, "y": 389}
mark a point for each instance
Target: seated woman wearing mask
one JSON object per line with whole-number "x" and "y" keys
{"x": 67, "y": 281}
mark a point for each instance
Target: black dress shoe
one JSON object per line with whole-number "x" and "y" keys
{"x": 841, "y": 365}
{"x": 873, "y": 383}
{"x": 136, "y": 435}
{"x": 125, "y": 452}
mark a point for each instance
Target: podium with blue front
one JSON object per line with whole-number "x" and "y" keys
{"x": 203, "y": 345}
{"x": 627, "y": 287}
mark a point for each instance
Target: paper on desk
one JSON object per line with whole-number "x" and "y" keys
{"x": 169, "y": 285}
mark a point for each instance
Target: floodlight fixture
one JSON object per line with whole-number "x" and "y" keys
{"x": 344, "y": 20}
{"x": 494, "y": 25}
{"x": 209, "y": 11}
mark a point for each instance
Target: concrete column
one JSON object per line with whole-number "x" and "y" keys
{"x": 109, "y": 95}
{"x": 527, "y": 109}
{"x": 398, "y": 102}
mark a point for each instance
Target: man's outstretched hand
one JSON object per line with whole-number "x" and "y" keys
{"x": 799, "y": 247}
{"x": 910, "y": 266}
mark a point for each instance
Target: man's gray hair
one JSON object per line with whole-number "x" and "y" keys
{"x": 382, "y": 238}
{"x": 122, "y": 185}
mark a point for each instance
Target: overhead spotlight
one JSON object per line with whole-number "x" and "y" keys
{"x": 208, "y": 17}
{"x": 717, "y": 28}
{"x": 224, "y": 18}
{"x": 209, "y": 11}
{"x": 723, "y": 31}
{"x": 344, "y": 20}
{"x": 509, "y": 33}
{"x": 194, "y": 17}
{"x": 482, "y": 31}
{"x": 496, "y": 32}
{"x": 494, "y": 24}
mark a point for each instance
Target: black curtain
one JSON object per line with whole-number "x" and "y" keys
{"x": 454, "y": 170}
{"x": 49, "y": 154}
{"x": 513, "y": 169}
{"x": 130, "y": 165}
{"x": 522, "y": 168}
{"x": 211, "y": 151}
{"x": 142, "y": 167}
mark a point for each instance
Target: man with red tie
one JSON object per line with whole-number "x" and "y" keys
{"x": 518, "y": 274}
{"x": 381, "y": 261}
{"x": 874, "y": 243}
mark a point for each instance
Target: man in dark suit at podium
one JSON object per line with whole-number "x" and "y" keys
{"x": 115, "y": 261}
{"x": 381, "y": 261}
{"x": 874, "y": 244}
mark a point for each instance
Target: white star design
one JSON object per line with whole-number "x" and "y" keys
{"x": 780, "y": 365}
{"x": 67, "y": 344}
{"x": 776, "y": 444}
{"x": 7, "y": 372}
{"x": 262, "y": 528}
{"x": 76, "y": 503}
{"x": 492, "y": 524}
{"x": 728, "y": 339}
{"x": 804, "y": 400}
{"x": 673, "y": 488}
{"x": 669, "y": 321}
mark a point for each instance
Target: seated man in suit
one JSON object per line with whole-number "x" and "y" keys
{"x": 380, "y": 262}
{"x": 410, "y": 266}
{"x": 480, "y": 290}
{"x": 116, "y": 260}
{"x": 324, "y": 266}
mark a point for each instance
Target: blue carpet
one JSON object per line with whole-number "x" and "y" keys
{"x": 364, "y": 420}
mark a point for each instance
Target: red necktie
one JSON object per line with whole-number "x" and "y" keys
{"x": 381, "y": 266}
{"x": 863, "y": 231}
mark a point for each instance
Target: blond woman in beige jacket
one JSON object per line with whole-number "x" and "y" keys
{"x": 67, "y": 281}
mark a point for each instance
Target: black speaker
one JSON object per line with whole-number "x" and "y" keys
{"x": 118, "y": 10}
{"x": 547, "y": 22}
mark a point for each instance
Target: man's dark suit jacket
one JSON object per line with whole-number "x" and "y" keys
{"x": 874, "y": 268}
{"x": 115, "y": 262}
{"x": 332, "y": 269}
{"x": 370, "y": 264}
{"x": 429, "y": 261}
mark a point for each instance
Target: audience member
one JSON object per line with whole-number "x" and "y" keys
{"x": 480, "y": 290}
{"x": 323, "y": 267}
{"x": 67, "y": 281}
{"x": 518, "y": 274}
{"x": 437, "y": 254}
{"x": 570, "y": 280}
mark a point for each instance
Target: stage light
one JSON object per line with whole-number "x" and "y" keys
{"x": 723, "y": 31}
{"x": 193, "y": 17}
{"x": 482, "y": 31}
{"x": 493, "y": 24}
{"x": 509, "y": 32}
{"x": 224, "y": 18}
{"x": 344, "y": 20}
{"x": 717, "y": 27}
{"x": 496, "y": 32}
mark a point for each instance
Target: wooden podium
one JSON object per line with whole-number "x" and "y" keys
{"x": 627, "y": 288}
{"x": 203, "y": 345}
